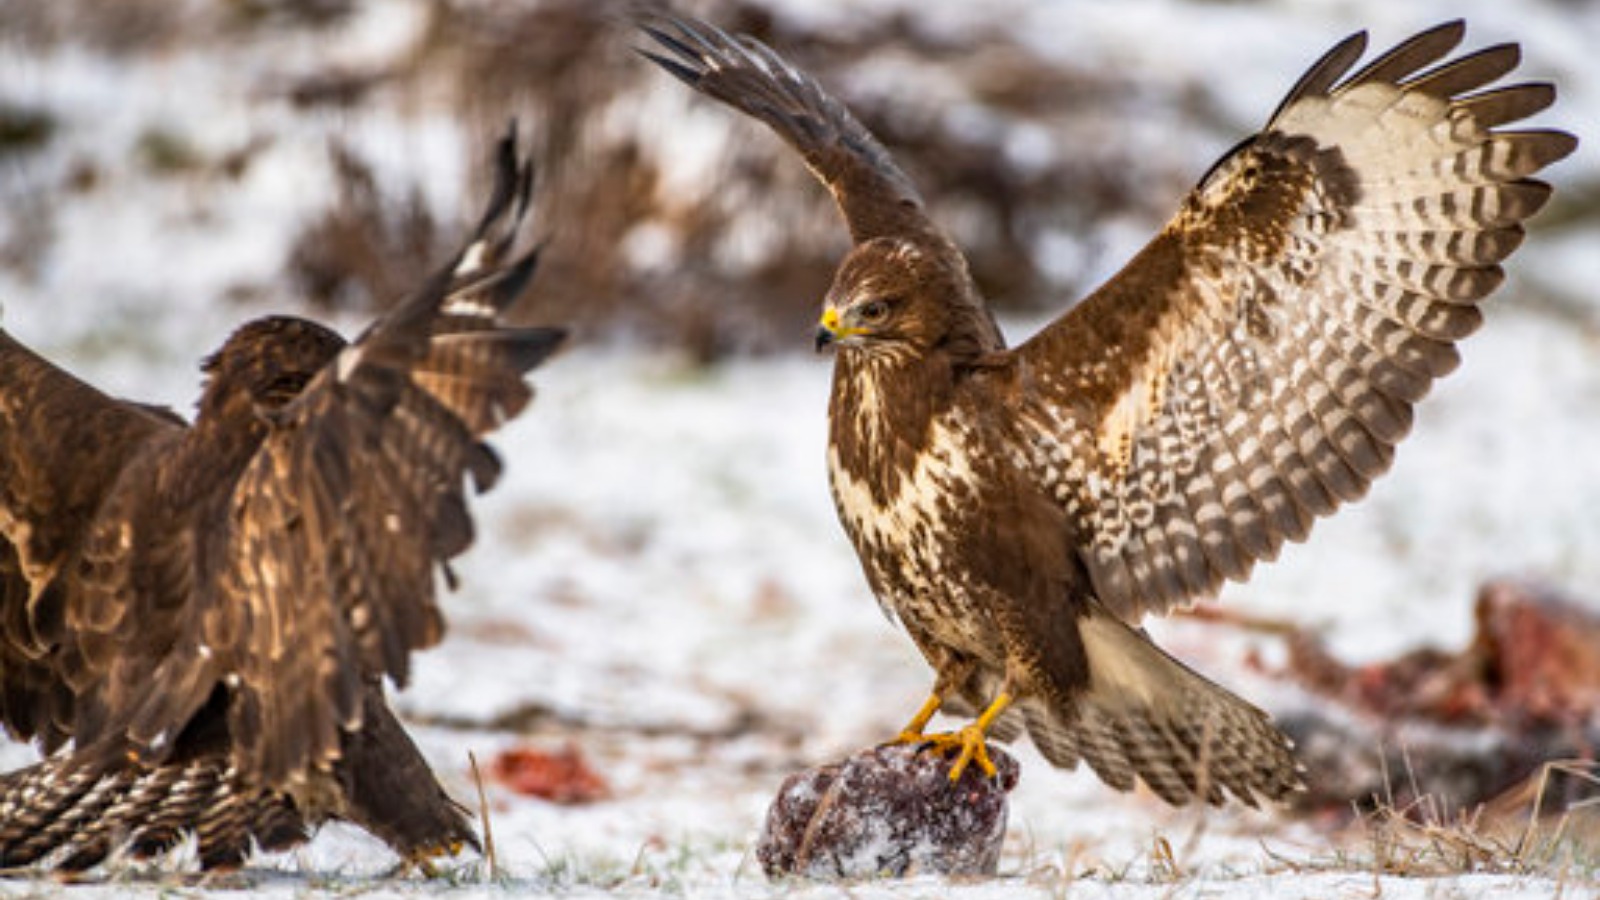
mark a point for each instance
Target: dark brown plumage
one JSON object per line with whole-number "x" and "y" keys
{"x": 1249, "y": 371}
{"x": 197, "y": 620}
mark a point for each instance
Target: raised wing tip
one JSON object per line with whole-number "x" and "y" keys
{"x": 1456, "y": 28}
{"x": 539, "y": 344}
{"x": 672, "y": 33}
{"x": 1325, "y": 72}
{"x": 696, "y": 47}
{"x": 686, "y": 74}
{"x": 509, "y": 199}
{"x": 1554, "y": 145}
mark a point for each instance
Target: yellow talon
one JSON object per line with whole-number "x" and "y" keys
{"x": 968, "y": 744}
{"x": 972, "y": 741}
{"x": 974, "y": 748}
{"x": 421, "y": 860}
{"x": 912, "y": 733}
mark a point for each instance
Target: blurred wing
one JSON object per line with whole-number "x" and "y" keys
{"x": 1255, "y": 365}
{"x": 876, "y": 198}
{"x": 62, "y": 446}
{"x": 357, "y": 494}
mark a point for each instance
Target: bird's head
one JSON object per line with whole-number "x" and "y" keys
{"x": 895, "y": 295}
{"x": 875, "y": 297}
{"x": 265, "y": 364}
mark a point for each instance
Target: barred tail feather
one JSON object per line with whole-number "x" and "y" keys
{"x": 73, "y": 815}
{"x": 1147, "y": 717}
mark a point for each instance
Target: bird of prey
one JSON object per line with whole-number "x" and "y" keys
{"x": 1019, "y": 510}
{"x": 197, "y": 619}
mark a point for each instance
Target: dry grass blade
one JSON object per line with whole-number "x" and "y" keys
{"x": 491, "y": 860}
{"x": 1577, "y": 827}
{"x": 1515, "y": 834}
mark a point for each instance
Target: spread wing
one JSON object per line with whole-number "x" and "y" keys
{"x": 62, "y": 446}
{"x": 357, "y": 494}
{"x": 1255, "y": 365}
{"x": 876, "y": 198}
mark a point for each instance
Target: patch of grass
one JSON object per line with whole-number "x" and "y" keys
{"x": 1514, "y": 835}
{"x": 1517, "y": 834}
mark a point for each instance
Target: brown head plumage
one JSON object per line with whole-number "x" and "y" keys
{"x": 265, "y": 364}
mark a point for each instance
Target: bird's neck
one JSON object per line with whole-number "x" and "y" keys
{"x": 215, "y": 451}
{"x": 882, "y": 411}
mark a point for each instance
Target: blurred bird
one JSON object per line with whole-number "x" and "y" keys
{"x": 1250, "y": 370}
{"x": 196, "y": 620}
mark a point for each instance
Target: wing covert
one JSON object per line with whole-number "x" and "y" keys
{"x": 63, "y": 444}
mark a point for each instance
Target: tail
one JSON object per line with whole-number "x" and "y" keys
{"x": 74, "y": 815}
{"x": 1146, "y": 715}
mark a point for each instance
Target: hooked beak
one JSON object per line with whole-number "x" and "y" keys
{"x": 827, "y": 329}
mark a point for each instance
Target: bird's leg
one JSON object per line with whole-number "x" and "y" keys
{"x": 970, "y": 743}
{"x": 953, "y": 672}
{"x": 912, "y": 733}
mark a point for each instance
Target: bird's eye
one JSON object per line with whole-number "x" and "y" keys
{"x": 285, "y": 386}
{"x": 874, "y": 311}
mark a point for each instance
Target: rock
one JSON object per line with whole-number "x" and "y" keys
{"x": 889, "y": 811}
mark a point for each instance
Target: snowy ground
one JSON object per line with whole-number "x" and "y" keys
{"x": 660, "y": 579}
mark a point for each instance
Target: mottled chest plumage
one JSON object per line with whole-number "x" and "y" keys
{"x": 915, "y": 518}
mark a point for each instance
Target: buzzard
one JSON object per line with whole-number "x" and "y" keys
{"x": 1019, "y": 510}
{"x": 196, "y": 619}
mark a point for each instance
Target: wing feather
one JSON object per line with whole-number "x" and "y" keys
{"x": 1253, "y": 368}
{"x": 874, "y": 195}
{"x": 63, "y": 445}
{"x": 1411, "y": 55}
{"x": 354, "y": 501}
{"x": 1467, "y": 73}
{"x": 324, "y": 578}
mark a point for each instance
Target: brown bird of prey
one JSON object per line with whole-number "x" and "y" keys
{"x": 197, "y": 619}
{"x": 1251, "y": 369}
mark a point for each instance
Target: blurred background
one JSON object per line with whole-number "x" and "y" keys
{"x": 662, "y": 563}
{"x": 208, "y": 154}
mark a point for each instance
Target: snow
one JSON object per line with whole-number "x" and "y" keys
{"x": 660, "y": 577}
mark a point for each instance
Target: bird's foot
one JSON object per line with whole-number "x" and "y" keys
{"x": 912, "y": 733}
{"x": 421, "y": 859}
{"x": 909, "y": 737}
{"x": 970, "y": 745}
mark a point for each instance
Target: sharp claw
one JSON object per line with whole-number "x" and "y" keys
{"x": 968, "y": 744}
{"x": 971, "y": 741}
{"x": 421, "y": 860}
{"x": 973, "y": 749}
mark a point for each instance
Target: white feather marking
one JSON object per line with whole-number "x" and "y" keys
{"x": 469, "y": 304}
{"x": 349, "y": 360}
{"x": 471, "y": 260}
{"x": 919, "y": 500}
